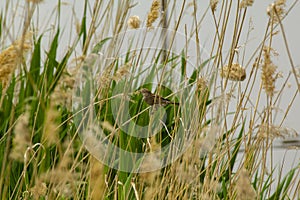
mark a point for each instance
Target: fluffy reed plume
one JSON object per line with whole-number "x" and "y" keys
{"x": 134, "y": 22}
{"x": 11, "y": 57}
{"x": 39, "y": 190}
{"x": 271, "y": 131}
{"x": 105, "y": 78}
{"x": 209, "y": 142}
{"x": 153, "y": 14}
{"x": 151, "y": 192}
{"x": 201, "y": 84}
{"x": 235, "y": 72}
{"x": 186, "y": 172}
{"x": 62, "y": 180}
{"x": 268, "y": 73}
{"x": 107, "y": 126}
{"x": 243, "y": 186}
{"x": 213, "y": 4}
{"x": 150, "y": 179}
{"x": 150, "y": 162}
{"x": 246, "y": 3}
{"x": 122, "y": 71}
{"x": 276, "y": 10}
{"x": 34, "y": 1}
{"x": 97, "y": 183}
{"x": 62, "y": 94}
{"x": 21, "y": 140}
{"x": 50, "y": 132}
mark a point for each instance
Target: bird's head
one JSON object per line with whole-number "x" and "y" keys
{"x": 145, "y": 92}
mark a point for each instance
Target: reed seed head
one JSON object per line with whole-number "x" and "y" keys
{"x": 268, "y": 76}
{"x": 244, "y": 187}
{"x": 10, "y": 58}
{"x": 134, "y": 22}
{"x": 50, "y": 133}
{"x": 34, "y": 1}
{"x": 271, "y": 131}
{"x": 213, "y": 5}
{"x": 246, "y": 3}
{"x": 153, "y": 14}
{"x": 62, "y": 94}
{"x": 276, "y": 10}
{"x": 39, "y": 190}
{"x": 235, "y": 72}
{"x": 122, "y": 71}
{"x": 201, "y": 84}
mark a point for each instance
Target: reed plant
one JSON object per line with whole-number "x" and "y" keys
{"x": 61, "y": 99}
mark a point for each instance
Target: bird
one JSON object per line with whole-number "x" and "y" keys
{"x": 153, "y": 99}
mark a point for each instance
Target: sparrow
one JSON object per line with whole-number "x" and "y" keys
{"x": 152, "y": 99}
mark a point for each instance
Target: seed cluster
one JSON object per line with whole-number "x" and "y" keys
{"x": 235, "y": 72}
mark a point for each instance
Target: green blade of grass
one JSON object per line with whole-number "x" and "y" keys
{"x": 100, "y": 44}
{"x": 283, "y": 186}
{"x": 33, "y": 76}
{"x": 51, "y": 63}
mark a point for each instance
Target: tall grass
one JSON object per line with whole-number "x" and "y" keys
{"x": 56, "y": 96}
